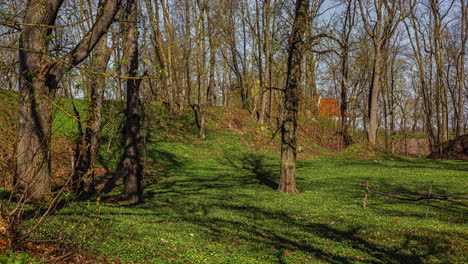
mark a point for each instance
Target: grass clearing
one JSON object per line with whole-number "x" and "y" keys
{"x": 215, "y": 202}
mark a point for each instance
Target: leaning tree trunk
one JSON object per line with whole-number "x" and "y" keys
{"x": 291, "y": 100}
{"x": 83, "y": 176}
{"x": 132, "y": 167}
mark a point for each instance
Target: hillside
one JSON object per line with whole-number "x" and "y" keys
{"x": 215, "y": 201}
{"x": 221, "y": 120}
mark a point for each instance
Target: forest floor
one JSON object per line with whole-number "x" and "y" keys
{"x": 215, "y": 201}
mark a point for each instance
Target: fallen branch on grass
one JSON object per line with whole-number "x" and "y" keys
{"x": 408, "y": 197}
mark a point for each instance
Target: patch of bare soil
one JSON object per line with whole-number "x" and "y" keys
{"x": 455, "y": 149}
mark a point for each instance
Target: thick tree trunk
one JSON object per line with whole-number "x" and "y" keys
{"x": 33, "y": 174}
{"x": 132, "y": 167}
{"x": 291, "y": 100}
{"x": 83, "y": 177}
{"x": 187, "y": 52}
{"x": 36, "y": 90}
{"x": 373, "y": 97}
{"x": 40, "y": 75}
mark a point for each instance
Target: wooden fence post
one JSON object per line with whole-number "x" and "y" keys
{"x": 429, "y": 192}
{"x": 364, "y": 202}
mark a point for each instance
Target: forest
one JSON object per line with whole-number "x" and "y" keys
{"x": 233, "y": 131}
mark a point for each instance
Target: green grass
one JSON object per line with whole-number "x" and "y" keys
{"x": 10, "y": 257}
{"x": 215, "y": 201}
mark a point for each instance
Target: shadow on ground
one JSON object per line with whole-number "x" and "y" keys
{"x": 195, "y": 194}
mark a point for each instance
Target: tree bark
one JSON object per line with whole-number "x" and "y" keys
{"x": 461, "y": 67}
{"x": 212, "y": 42}
{"x": 202, "y": 72}
{"x": 132, "y": 167}
{"x": 348, "y": 25}
{"x": 83, "y": 177}
{"x": 266, "y": 51}
{"x": 373, "y": 97}
{"x": 291, "y": 99}
{"x": 40, "y": 74}
{"x": 387, "y": 17}
{"x": 440, "y": 64}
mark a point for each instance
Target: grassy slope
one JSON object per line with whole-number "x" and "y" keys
{"x": 214, "y": 201}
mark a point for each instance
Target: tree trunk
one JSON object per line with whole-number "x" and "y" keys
{"x": 33, "y": 174}
{"x": 440, "y": 64}
{"x": 373, "y": 97}
{"x": 211, "y": 92}
{"x": 202, "y": 74}
{"x": 291, "y": 100}
{"x": 83, "y": 177}
{"x": 267, "y": 78}
{"x": 348, "y": 26}
{"x": 40, "y": 75}
{"x": 132, "y": 167}
{"x": 461, "y": 67}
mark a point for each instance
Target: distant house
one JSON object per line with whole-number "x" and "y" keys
{"x": 326, "y": 107}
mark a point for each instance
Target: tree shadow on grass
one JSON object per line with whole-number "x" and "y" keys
{"x": 227, "y": 217}
{"x": 287, "y": 239}
{"x": 167, "y": 162}
{"x": 255, "y": 165}
{"x": 311, "y": 240}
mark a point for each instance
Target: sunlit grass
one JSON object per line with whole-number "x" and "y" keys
{"x": 216, "y": 202}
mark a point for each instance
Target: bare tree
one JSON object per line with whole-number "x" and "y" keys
{"x": 439, "y": 55}
{"x": 460, "y": 63}
{"x": 380, "y": 24}
{"x": 40, "y": 75}
{"x": 132, "y": 167}
{"x": 345, "y": 42}
{"x": 88, "y": 146}
{"x": 291, "y": 99}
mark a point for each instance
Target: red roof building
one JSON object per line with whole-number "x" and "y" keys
{"x": 328, "y": 107}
